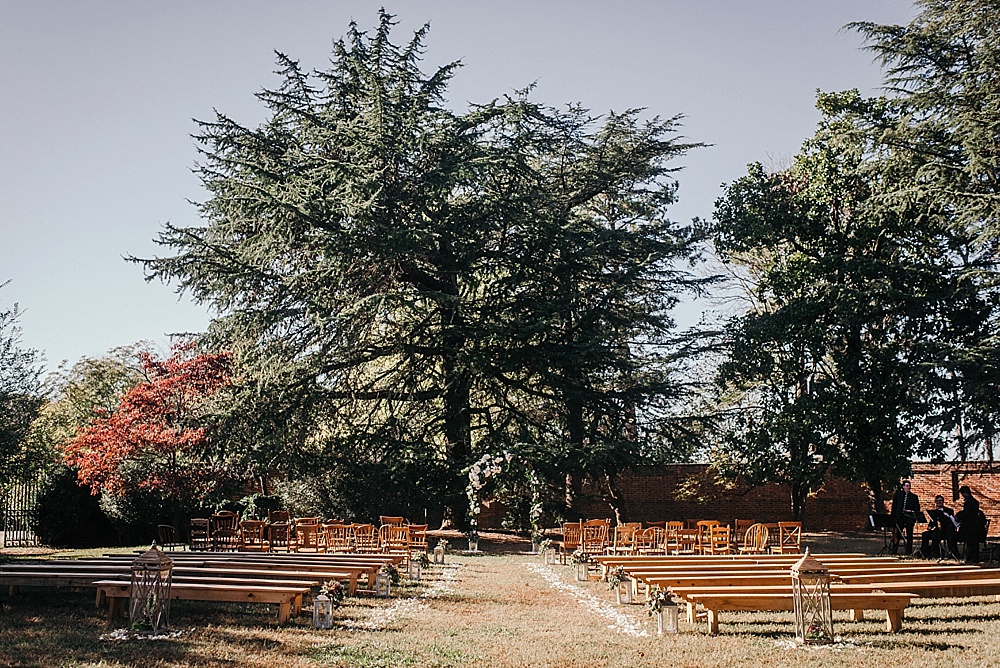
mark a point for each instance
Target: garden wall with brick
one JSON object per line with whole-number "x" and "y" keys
{"x": 687, "y": 492}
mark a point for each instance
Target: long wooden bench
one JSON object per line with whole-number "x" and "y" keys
{"x": 893, "y": 603}
{"x": 288, "y": 599}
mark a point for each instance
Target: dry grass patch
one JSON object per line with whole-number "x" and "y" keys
{"x": 495, "y": 610}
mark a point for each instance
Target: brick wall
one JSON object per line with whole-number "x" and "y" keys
{"x": 982, "y": 478}
{"x": 684, "y": 492}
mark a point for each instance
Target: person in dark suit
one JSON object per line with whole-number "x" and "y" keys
{"x": 905, "y": 506}
{"x": 971, "y": 525}
{"x": 937, "y": 531}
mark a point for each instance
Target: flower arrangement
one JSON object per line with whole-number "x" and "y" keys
{"x": 545, "y": 545}
{"x": 579, "y": 557}
{"x": 392, "y": 573}
{"x": 658, "y": 599}
{"x": 334, "y": 590}
{"x": 422, "y": 559}
{"x": 615, "y": 577}
{"x": 443, "y": 544}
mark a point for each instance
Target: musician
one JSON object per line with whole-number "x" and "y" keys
{"x": 971, "y": 525}
{"x": 930, "y": 540}
{"x": 905, "y": 506}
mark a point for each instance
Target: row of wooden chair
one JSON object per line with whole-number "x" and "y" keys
{"x": 594, "y": 537}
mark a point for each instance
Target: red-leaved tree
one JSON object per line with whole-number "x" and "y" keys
{"x": 157, "y": 439}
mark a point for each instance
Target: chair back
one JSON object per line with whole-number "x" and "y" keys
{"x": 199, "y": 532}
{"x": 720, "y": 540}
{"x": 279, "y": 537}
{"x": 755, "y": 539}
{"x": 166, "y": 537}
{"x": 704, "y": 528}
{"x": 687, "y": 542}
{"x": 418, "y": 537}
{"x": 790, "y": 537}
{"x": 740, "y": 527}
{"x": 308, "y": 520}
{"x": 391, "y": 519}
{"x": 252, "y": 536}
{"x": 307, "y": 537}
{"x": 624, "y": 540}
{"x": 276, "y": 516}
{"x": 650, "y": 541}
{"x": 395, "y": 540}
{"x": 366, "y": 539}
{"x": 339, "y": 537}
{"x": 571, "y": 536}
{"x": 594, "y": 536}
{"x": 225, "y": 530}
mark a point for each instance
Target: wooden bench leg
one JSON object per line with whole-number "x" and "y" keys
{"x": 14, "y": 590}
{"x": 894, "y": 620}
{"x": 857, "y": 615}
{"x": 713, "y": 622}
{"x": 352, "y": 585}
{"x": 284, "y": 610}
{"x": 297, "y": 605}
{"x": 116, "y": 608}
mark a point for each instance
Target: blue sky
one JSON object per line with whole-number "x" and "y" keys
{"x": 99, "y": 96}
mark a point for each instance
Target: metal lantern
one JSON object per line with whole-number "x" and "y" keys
{"x": 550, "y": 556}
{"x": 668, "y": 618}
{"x": 473, "y": 543}
{"x": 382, "y": 584}
{"x": 582, "y": 571}
{"x": 149, "y": 595}
{"x": 322, "y": 612}
{"x": 439, "y": 554}
{"x": 811, "y": 594}
{"x": 624, "y": 591}
{"x": 414, "y": 572}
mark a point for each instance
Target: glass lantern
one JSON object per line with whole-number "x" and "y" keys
{"x": 668, "y": 618}
{"x": 550, "y": 556}
{"x": 582, "y": 571}
{"x": 624, "y": 591}
{"x": 149, "y": 595}
{"x": 414, "y": 570}
{"x": 473, "y": 542}
{"x": 382, "y": 584}
{"x": 811, "y": 596}
{"x": 322, "y": 612}
{"x": 439, "y": 554}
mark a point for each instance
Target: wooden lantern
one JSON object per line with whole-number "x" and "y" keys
{"x": 149, "y": 595}
{"x": 811, "y": 596}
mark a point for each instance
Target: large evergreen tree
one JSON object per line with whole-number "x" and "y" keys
{"x": 405, "y": 283}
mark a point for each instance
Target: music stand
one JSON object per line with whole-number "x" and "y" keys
{"x": 885, "y": 524}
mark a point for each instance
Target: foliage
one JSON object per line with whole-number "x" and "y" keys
{"x": 68, "y": 515}
{"x": 615, "y": 577}
{"x": 432, "y": 283}
{"x": 940, "y": 124}
{"x": 20, "y": 398}
{"x": 335, "y": 591}
{"x": 391, "y": 572}
{"x": 156, "y": 439}
{"x": 658, "y": 599}
{"x": 579, "y": 557}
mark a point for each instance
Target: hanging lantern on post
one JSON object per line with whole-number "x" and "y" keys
{"x": 322, "y": 612}
{"x": 811, "y": 596}
{"x": 149, "y": 594}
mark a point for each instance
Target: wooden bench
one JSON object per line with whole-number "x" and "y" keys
{"x": 288, "y": 599}
{"x": 894, "y": 604}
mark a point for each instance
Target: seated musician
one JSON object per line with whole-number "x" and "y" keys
{"x": 941, "y": 527}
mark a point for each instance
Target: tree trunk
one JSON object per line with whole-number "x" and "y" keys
{"x": 875, "y": 488}
{"x": 800, "y": 492}
{"x": 613, "y": 494}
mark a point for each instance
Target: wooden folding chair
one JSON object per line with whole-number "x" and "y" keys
{"x": 225, "y": 531}
{"x": 571, "y": 540}
{"x": 366, "y": 539}
{"x": 253, "y": 536}
{"x": 719, "y": 540}
{"x": 339, "y": 537}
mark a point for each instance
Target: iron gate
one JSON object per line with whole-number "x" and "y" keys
{"x": 17, "y": 501}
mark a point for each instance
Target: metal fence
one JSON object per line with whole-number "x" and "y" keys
{"x": 17, "y": 503}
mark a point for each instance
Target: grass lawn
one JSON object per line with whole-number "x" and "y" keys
{"x": 501, "y": 609}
